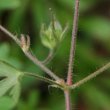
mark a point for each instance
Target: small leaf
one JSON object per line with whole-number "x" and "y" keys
{"x": 10, "y": 85}
{"x": 52, "y": 36}
{"x": 15, "y": 93}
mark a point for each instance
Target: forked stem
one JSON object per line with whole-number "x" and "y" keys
{"x": 29, "y": 55}
{"x": 43, "y": 67}
{"x": 48, "y": 58}
{"x": 72, "y": 54}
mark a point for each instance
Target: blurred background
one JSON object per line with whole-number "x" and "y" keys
{"x": 92, "y": 51}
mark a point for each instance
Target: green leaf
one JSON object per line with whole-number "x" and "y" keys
{"x": 52, "y": 36}
{"x": 6, "y": 103}
{"x": 9, "y": 4}
{"x": 15, "y": 93}
{"x": 10, "y": 84}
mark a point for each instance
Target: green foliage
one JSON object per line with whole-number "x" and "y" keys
{"x": 6, "y": 103}
{"x": 9, "y": 4}
{"x": 31, "y": 103}
{"x": 97, "y": 97}
{"x": 95, "y": 25}
{"x": 10, "y": 84}
{"x": 27, "y": 17}
{"x": 5, "y": 55}
{"x": 52, "y": 37}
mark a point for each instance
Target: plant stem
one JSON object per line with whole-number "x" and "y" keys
{"x": 67, "y": 99}
{"x": 73, "y": 41}
{"x": 10, "y": 35}
{"x": 72, "y": 54}
{"x": 38, "y": 63}
{"x": 49, "y": 57}
{"x": 91, "y": 76}
{"x": 30, "y": 56}
{"x": 52, "y": 82}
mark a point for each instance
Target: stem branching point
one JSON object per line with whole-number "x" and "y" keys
{"x": 28, "y": 53}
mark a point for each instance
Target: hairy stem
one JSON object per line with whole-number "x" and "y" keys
{"x": 91, "y": 76}
{"x": 10, "y": 35}
{"x": 38, "y": 63}
{"x": 72, "y": 54}
{"x": 30, "y": 56}
{"x": 67, "y": 99}
{"x": 52, "y": 82}
{"x": 73, "y": 41}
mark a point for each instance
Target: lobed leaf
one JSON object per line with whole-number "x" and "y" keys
{"x": 10, "y": 84}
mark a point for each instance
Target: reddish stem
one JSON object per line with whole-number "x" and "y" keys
{"x": 73, "y": 41}
{"x": 67, "y": 99}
